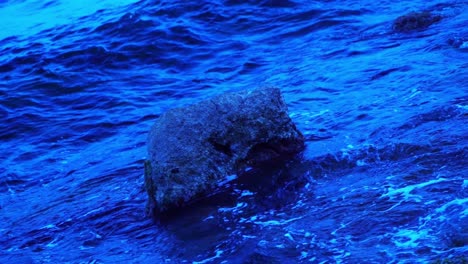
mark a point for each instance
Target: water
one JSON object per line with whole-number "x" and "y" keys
{"x": 383, "y": 178}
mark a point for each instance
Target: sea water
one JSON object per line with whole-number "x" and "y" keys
{"x": 384, "y": 177}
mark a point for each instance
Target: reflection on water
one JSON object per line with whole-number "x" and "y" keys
{"x": 383, "y": 178}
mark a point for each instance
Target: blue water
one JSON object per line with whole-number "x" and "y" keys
{"x": 384, "y": 178}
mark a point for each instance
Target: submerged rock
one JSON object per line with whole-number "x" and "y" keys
{"x": 193, "y": 150}
{"x": 415, "y": 21}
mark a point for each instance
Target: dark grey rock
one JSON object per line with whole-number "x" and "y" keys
{"x": 415, "y": 21}
{"x": 192, "y": 150}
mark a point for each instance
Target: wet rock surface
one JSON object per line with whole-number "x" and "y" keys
{"x": 193, "y": 150}
{"x": 415, "y": 21}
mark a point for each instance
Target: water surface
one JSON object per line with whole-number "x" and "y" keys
{"x": 383, "y": 178}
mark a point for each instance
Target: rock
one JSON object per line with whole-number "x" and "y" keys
{"x": 415, "y": 21}
{"x": 192, "y": 150}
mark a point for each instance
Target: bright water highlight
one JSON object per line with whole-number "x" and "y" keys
{"x": 383, "y": 178}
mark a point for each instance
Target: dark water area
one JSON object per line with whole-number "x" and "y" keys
{"x": 384, "y": 177}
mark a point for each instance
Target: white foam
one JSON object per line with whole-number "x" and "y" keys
{"x": 52, "y": 243}
{"x": 275, "y": 222}
{"x": 208, "y": 218}
{"x": 227, "y": 209}
{"x": 406, "y": 191}
{"x": 460, "y": 202}
{"x": 289, "y": 236}
{"x": 218, "y": 254}
{"x": 246, "y": 193}
{"x": 49, "y": 226}
{"x": 408, "y": 238}
{"x": 229, "y": 178}
{"x": 464, "y": 45}
{"x": 93, "y": 211}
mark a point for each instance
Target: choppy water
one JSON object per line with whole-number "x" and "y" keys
{"x": 383, "y": 179}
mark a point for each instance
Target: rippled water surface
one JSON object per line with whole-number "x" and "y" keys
{"x": 383, "y": 178}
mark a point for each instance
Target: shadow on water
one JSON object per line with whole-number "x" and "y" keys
{"x": 212, "y": 222}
